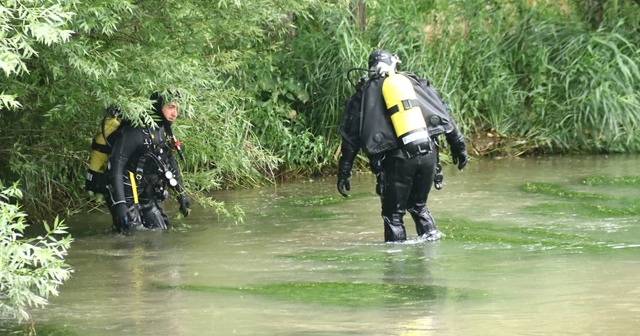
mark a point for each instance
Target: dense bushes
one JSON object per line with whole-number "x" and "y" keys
{"x": 31, "y": 269}
{"x": 262, "y": 96}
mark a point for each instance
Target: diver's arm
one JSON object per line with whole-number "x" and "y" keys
{"x": 175, "y": 170}
{"x": 181, "y": 196}
{"x": 349, "y": 152}
{"x": 458, "y": 148}
{"x": 123, "y": 149}
{"x": 351, "y": 143}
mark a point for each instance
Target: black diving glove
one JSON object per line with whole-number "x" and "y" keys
{"x": 184, "y": 205}
{"x": 343, "y": 183}
{"x": 345, "y": 164}
{"x": 459, "y": 156}
{"x": 120, "y": 217}
{"x": 458, "y": 151}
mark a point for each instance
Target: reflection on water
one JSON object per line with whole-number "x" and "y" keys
{"x": 533, "y": 247}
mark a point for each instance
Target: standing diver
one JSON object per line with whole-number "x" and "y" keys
{"x": 142, "y": 168}
{"x": 396, "y": 119}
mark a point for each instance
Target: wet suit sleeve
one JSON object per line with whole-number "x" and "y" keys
{"x": 124, "y": 148}
{"x": 458, "y": 147}
{"x": 175, "y": 169}
{"x": 350, "y": 131}
{"x": 454, "y": 137}
{"x": 181, "y": 197}
{"x": 348, "y": 153}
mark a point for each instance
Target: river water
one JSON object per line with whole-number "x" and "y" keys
{"x": 535, "y": 246}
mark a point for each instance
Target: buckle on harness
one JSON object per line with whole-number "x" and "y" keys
{"x": 409, "y": 103}
{"x": 406, "y": 104}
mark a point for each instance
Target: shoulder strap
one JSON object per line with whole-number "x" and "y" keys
{"x": 148, "y": 143}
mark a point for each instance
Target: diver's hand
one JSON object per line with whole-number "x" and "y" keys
{"x": 184, "y": 205}
{"x": 120, "y": 217}
{"x": 458, "y": 148}
{"x": 460, "y": 158}
{"x": 343, "y": 184}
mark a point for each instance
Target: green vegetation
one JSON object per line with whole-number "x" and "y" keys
{"x": 630, "y": 181}
{"x": 592, "y": 204}
{"x": 263, "y": 96}
{"x": 535, "y": 238}
{"x": 326, "y": 200}
{"x": 345, "y": 294}
{"x": 31, "y": 269}
{"x": 556, "y": 190}
{"x": 263, "y": 85}
{"x": 556, "y": 201}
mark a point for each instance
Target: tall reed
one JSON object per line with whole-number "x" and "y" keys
{"x": 536, "y": 74}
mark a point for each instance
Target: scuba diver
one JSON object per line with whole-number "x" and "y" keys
{"x": 396, "y": 118}
{"x": 142, "y": 169}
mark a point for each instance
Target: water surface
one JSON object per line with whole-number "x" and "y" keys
{"x": 533, "y": 247}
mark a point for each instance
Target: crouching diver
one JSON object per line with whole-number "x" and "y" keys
{"x": 397, "y": 118}
{"x": 142, "y": 170}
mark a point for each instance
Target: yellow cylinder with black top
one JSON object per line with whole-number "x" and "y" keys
{"x": 100, "y": 150}
{"x": 406, "y": 116}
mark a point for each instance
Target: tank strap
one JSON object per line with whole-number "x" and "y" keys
{"x": 141, "y": 163}
{"x": 406, "y": 104}
{"x": 134, "y": 188}
{"x": 100, "y": 147}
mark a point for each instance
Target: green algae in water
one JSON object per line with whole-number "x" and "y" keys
{"x": 589, "y": 210}
{"x": 337, "y": 256}
{"x": 592, "y": 205}
{"x": 612, "y": 180}
{"x": 327, "y": 200}
{"x": 345, "y": 294}
{"x": 319, "y": 200}
{"x": 411, "y": 262}
{"x": 314, "y": 207}
{"x": 550, "y": 189}
{"x": 529, "y": 237}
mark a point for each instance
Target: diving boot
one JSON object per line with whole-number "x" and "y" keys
{"x": 394, "y": 231}
{"x": 433, "y": 235}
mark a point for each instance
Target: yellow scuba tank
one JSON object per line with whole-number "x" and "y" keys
{"x": 406, "y": 116}
{"x": 100, "y": 150}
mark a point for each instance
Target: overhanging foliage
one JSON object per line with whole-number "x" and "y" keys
{"x": 264, "y": 84}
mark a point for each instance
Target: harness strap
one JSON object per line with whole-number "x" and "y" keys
{"x": 140, "y": 167}
{"x": 100, "y": 148}
{"x": 148, "y": 142}
{"x": 134, "y": 188}
{"x": 406, "y": 104}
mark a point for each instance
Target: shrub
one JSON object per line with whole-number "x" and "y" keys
{"x": 31, "y": 269}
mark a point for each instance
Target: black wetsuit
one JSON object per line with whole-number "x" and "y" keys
{"x": 404, "y": 182}
{"x": 140, "y": 159}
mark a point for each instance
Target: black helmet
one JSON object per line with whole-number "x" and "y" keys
{"x": 156, "y": 109}
{"x": 158, "y": 103}
{"x": 378, "y": 56}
